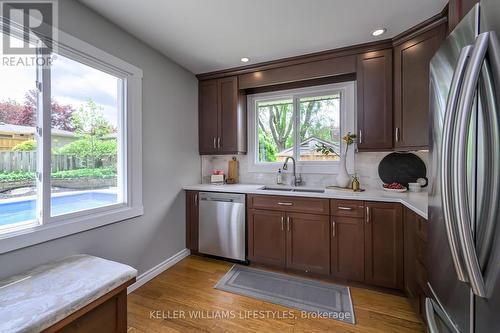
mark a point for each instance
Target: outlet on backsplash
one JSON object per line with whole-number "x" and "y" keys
{"x": 366, "y": 167}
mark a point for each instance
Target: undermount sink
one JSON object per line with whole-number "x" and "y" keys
{"x": 295, "y": 189}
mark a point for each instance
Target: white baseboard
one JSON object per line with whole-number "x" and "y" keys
{"x": 160, "y": 268}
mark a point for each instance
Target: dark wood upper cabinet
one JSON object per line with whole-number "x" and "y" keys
{"x": 208, "y": 116}
{"x": 266, "y": 237}
{"x": 384, "y": 244}
{"x": 348, "y": 248}
{"x": 457, "y": 9}
{"x": 374, "y": 84}
{"x": 308, "y": 243}
{"x": 222, "y": 117}
{"x": 411, "y": 88}
{"x": 192, "y": 220}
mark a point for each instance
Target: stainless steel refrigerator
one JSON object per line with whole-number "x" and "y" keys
{"x": 464, "y": 221}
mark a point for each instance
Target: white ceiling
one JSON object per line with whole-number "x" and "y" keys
{"x": 208, "y": 35}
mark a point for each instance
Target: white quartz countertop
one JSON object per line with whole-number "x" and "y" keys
{"x": 37, "y": 299}
{"x": 417, "y": 202}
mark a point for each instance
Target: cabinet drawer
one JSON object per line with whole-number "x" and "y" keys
{"x": 347, "y": 208}
{"x": 289, "y": 204}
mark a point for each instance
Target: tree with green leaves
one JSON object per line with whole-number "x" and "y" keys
{"x": 92, "y": 128}
{"x": 89, "y": 120}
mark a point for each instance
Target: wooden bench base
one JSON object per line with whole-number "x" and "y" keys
{"x": 106, "y": 314}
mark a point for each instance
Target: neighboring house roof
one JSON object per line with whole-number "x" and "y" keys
{"x": 18, "y": 129}
{"x": 310, "y": 144}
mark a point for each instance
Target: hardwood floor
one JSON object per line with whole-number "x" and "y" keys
{"x": 169, "y": 303}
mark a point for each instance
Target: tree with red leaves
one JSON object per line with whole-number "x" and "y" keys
{"x": 11, "y": 112}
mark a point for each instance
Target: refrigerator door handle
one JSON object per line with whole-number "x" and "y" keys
{"x": 434, "y": 307}
{"x": 447, "y": 184}
{"x": 429, "y": 315}
{"x": 491, "y": 193}
{"x": 431, "y": 310}
{"x": 461, "y": 201}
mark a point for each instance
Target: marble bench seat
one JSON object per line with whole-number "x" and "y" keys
{"x": 37, "y": 299}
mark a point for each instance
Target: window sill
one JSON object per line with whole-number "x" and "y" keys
{"x": 42, "y": 233}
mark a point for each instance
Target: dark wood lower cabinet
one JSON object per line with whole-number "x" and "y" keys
{"x": 384, "y": 245}
{"x": 376, "y": 243}
{"x": 266, "y": 237}
{"x": 415, "y": 269}
{"x": 348, "y": 248}
{"x": 308, "y": 241}
{"x": 192, "y": 220}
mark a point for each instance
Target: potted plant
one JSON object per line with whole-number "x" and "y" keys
{"x": 343, "y": 178}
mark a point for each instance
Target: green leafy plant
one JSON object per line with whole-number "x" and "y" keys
{"x": 85, "y": 173}
{"x": 99, "y": 173}
{"x": 29, "y": 145}
{"x": 89, "y": 147}
{"x": 323, "y": 149}
{"x": 16, "y": 176}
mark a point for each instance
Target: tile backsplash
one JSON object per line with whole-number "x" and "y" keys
{"x": 365, "y": 165}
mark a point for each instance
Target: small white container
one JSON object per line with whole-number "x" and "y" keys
{"x": 414, "y": 187}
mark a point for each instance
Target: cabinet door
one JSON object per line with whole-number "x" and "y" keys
{"x": 228, "y": 115}
{"x": 266, "y": 237}
{"x": 308, "y": 242}
{"x": 411, "y": 89}
{"x": 374, "y": 84}
{"x": 208, "y": 116}
{"x": 192, "y": 220}
{"x": 348, "y": 248}
{"x": 384, "y": 244}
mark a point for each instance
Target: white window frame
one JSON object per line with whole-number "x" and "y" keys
{"x": 347, "y": 124}
{"x": 33, "y": 232}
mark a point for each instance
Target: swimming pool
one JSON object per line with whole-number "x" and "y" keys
{"x": 25, "y": 210}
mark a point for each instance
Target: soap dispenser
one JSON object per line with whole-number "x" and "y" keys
{"x": 279, "y": 177}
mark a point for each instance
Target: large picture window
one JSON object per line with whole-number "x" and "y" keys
{"x": 70, "y": 144}
{"x": 306, "y": 124}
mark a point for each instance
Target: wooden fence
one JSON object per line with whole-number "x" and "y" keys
{"x": 15, "y": 161}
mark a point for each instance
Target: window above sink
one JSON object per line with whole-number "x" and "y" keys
{"x": 296, "y": 123}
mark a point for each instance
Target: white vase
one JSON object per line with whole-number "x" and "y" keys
{"x": 343, "y": 178}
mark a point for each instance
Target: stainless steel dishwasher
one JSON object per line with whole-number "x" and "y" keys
{"x": 222, "y": 225}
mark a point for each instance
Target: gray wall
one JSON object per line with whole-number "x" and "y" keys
{"x": 170, "y": 156}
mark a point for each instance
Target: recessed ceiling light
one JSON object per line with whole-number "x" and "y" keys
{"x": 378, "y": 32}
{"x": 245, "y": 59}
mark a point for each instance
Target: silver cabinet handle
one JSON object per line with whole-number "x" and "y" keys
{"x": 367, "y": 214}
{"x": 333, "y": 229}
{"x": 397, "y": 134}
{"x": 344, "y": 208}
{"x": 285, "y": 203}
{"x": 282, "y": 223}
{"x": 360, "y": 137}
{"x": 288, "y": 222}
{"x": 196, "y": 199}
{"x": 447, "y": 143}
{"x": 218, "y": 142}
{"x": 461, "y": 201}
{"x": 215, "y": 143}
